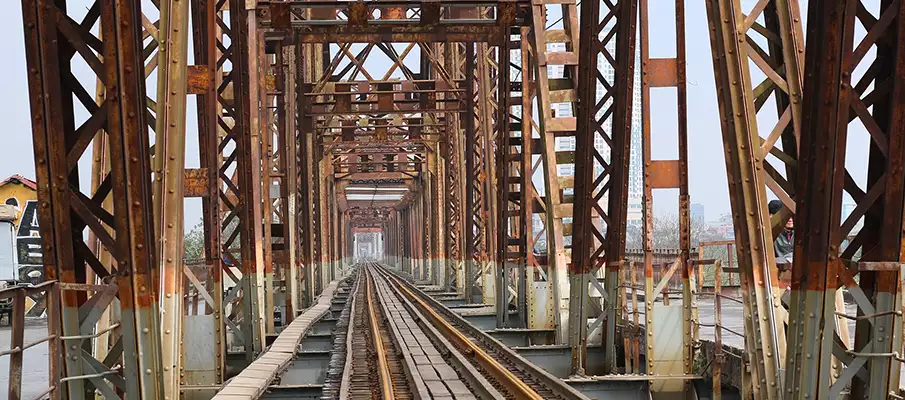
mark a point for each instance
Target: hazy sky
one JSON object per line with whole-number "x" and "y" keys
{"x": 707, "y": 170}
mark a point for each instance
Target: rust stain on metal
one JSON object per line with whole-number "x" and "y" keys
{"x": 661, "y": 72}
{"x": 664, "y": 174}
{"x": 195, "y": 181}
{"x": 199, "y": 79}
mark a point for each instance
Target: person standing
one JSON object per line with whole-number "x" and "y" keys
{"x": 783, "y": 246}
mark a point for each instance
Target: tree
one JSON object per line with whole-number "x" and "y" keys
{"x": 194, "y": 240}
{"x": 194, "y": 243}
{"x": 666, "y": 233}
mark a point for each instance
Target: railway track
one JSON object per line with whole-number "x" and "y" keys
{"x": 511, "y": 376}
{"x": 394, "y": 380}
{"x": 395, "y": 342}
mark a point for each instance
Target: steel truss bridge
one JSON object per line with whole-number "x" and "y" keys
{"x": 428, "y": 137}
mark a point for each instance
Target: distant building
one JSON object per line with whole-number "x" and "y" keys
{"x": 723, "y": 227}
{"x": 636, "y": 183}
{"x": 22, "y": 193}
{"x": 697, "y": 211}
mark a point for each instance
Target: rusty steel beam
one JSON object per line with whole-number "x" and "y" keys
{"x": 750, "y": 141}
{"x": 286, "y": 106}
{"x": 169, "y": 185}
{"x": 241, "y": 127}
{"x": 205, "y": 36}
{"x": 487, "y": 120}
{"x": 538, "y": 312}
{"x": 598, "y": 236}
{"x": 415, "y": 22}
{"x": 438, "y": 194}
{"x": 474, "y": 187}
{"x": 454, "y": 167}
{"x": 515, "y": 199}
{"x": 509, "y": 219}
{"x": 269, "y": 167}
{"x": 833, "y": 96}
{"x": 67, "y": 211}
{"x": 557, "y": 205}
{"x": 663, "y": 357}
{"x": 303, "y": 156}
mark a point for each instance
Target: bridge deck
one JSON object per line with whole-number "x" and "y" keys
{"x": 254, "y": 380}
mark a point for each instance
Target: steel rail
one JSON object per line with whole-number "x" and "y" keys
{"x": 383, "y": 368}
{"x": 476, "y": 382}
{"x": 500, "y": 373}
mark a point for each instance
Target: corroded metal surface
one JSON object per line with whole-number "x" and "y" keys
{"x": 413, "y": 124}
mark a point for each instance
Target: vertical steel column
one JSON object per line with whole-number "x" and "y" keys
{"x": 317, "y": 213}
{"x": 419, "y": 239}
{"x": 556, "y": 131}
{"x": 246, "y": 133}
{"x": 835, "y": 96}
{"x": 510, "y": 235}
{"x": 169, "y": 190}
{"x": 454, "y": 167}
{"x": 472, "y": 234}
{"x": 335, "y": 231}
{"x": 205, "y": 35}
{"x": 269, "y": 167}
{"x": 591, "y": 242}
{"x": 748, "y": 147}
{"x": 624, "y": 77}
{"x": 286, "y": 84}
{"x": 662, "y": 358}
{"x": 532, "y": 310}
{"x": 486, "y": 114}
{"x": 304, "y": 141}
{"x": 51, "y": 41}
{"x": 437, "y": 175}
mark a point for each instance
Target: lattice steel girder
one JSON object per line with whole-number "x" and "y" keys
{"x": 591, "y": 243}
{"x": 473, "y": 188}
{"x": 506, "y": 169}
{"x": 748, "y": 147}
{"x": 287, "y": 61}
{"x": 279, "y": 171}
{"x": 430, "y": 21}
{"x": 517, "y": 194}
{"x": 267, "y": 92}
{"x": 452, "y": 151}
{"x": 834, "y": 96}
{"x": 204, "y": 23}
{"x": 304, "y": 142}
{"x": 51, "y": 39}
{"x": 438, "y": 194}
{"x": 169, "y": 185}
{"x": 246, "y": 133}
{"x": 537, "y": 314}
{"x": 557, "y": 206}
{"x": 488, "y": 119}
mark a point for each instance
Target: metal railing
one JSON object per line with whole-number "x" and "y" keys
{"x": 18, "y": 346}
